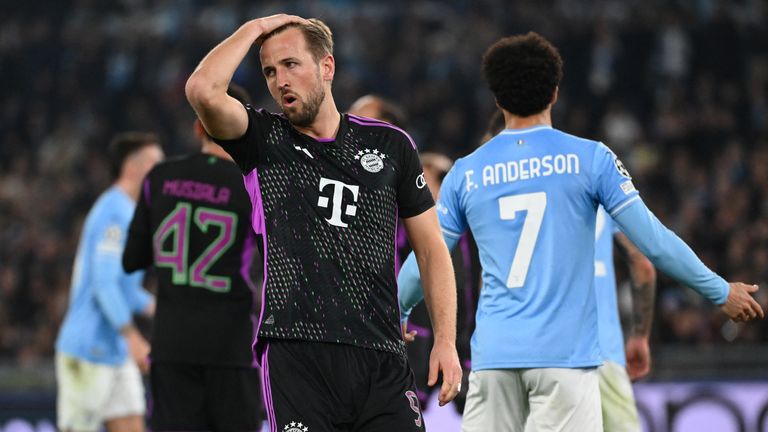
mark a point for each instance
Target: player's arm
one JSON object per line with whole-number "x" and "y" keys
{"x": 107, "y": 272}
{"x": 222, "y": 115}
{"x": 643, "y": 282}
{"x": 672, "y": 256}
{"x": 436, "y": 268}
{"x": 409, "y": 290}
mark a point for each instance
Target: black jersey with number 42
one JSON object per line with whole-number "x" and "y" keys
{"x": 328, "y": 212}
{"x": 192, "y": 222}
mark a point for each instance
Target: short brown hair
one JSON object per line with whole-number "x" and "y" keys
{"x": 317, "y": 34}
{"x": 124, "y": 145}
{"x": 523, "y": 72}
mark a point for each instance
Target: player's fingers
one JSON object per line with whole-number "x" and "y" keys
{"x": 756, "y": 310}
{"x": 410, "y": 336}
{"x": 751, "y": 288}
{"x": 434, "y": 366}
{"x": 448, "y": 391}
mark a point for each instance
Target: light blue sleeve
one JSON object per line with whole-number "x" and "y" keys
{"x": 108, "y": 272}
{"x": 613, "y": 187}
{"x": 138, "y": 297}
{"x": 669, "y": 253}
{"x": 453, "y": 221}
{"x": 409, "y": 289}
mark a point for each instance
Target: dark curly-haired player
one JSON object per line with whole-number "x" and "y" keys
{"x": 530, "y": 197}
{"x": 327, "y": 190}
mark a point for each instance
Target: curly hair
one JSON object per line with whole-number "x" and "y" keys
{"x": 523, "y": 72}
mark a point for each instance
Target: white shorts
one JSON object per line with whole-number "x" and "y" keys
{"x": 533, "y": 400}
{"x": 91, "y": 393}
{"x": 617, "y": 399}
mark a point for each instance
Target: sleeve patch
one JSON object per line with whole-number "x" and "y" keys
{"x": 112, "y": 242}
{"x": 621, "y": 168}
{"x": 628, "y": 187}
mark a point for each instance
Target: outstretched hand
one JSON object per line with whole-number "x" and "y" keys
{"x": 740, "y": 306}
{"x": 445, "y": 359}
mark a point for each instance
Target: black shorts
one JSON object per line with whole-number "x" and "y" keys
{"x": 188, "y": 397}
{"x": 327, "y": 387}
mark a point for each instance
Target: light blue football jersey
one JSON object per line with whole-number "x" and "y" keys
{"x": 102, "y": 296}
{"x": 608, "y": 322}
{"x": 530, "y": 197}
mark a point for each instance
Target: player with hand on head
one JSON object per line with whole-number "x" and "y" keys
{"x": 530, "y": 197}
{"x": 97, "y": 381}
{"x": 327, "y": 190}
{"x": 192, "y": 223}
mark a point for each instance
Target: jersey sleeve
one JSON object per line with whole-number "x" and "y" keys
{"x": 138, "y": 252}
{"x": 452, "y": 219}
{"x": 613, "y": 185}
{"x": 245, "y": 150}
{"x": 413, "y": 195}
{"x": 109, "y": 243}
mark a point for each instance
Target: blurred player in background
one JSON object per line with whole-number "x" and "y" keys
{"x": 192, "y": 223}
{"x": 98, "y": 383}
{"x": 530, "y": 197}
{"x": 619, "y": 369}
{"x": 327, "y": 191}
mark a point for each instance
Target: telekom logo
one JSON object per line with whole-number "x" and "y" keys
{"x": 338, "y": 195}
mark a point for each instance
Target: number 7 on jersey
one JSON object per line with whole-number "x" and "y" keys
{"x": 534, "y": 204}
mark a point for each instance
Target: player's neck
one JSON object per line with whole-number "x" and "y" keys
{"x": 512, "y": 121}
{"x": 326, "y": 124}
{"x": 131, "y": 188}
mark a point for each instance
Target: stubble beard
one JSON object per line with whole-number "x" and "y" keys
{"x": 305, "y": 116}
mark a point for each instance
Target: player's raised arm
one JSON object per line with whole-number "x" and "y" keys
{"x": 643, "y": 281}
{"x": 206, "y": 89}
{"x": 440, "y": 293}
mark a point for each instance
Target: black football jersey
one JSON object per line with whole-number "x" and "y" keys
{"x": 192, "y": 222}
{"x": 328, "y": 211}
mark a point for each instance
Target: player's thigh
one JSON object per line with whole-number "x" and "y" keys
{"x": 392, "y": 403}
{"x": 234, "y": 398}
{"x": 178, "y": 397}
{"x": 563, "y": 399}
{"x": 83, "y": 389}
{"x": 496, "y": 401}
{"x": 127, "y": 398}
{"x": 617, "y": 399}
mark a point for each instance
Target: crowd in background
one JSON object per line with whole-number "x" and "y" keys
{"x": 679, "y": 90}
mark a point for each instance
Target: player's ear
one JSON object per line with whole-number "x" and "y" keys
{"x": 554, "y": 95}
{"x": 328, "y": 67}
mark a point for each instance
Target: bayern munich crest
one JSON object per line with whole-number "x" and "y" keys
{"x": 371, "y": 160}
{"x": 295, "y": 427}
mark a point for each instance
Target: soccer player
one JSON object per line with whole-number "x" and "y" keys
{"x": 327, "y": 190}
{"x": 193, "y": 223}
{"x": 530, "y": 197}
{"x": 97, "y": 382}
{"x": 618, "y": 370}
